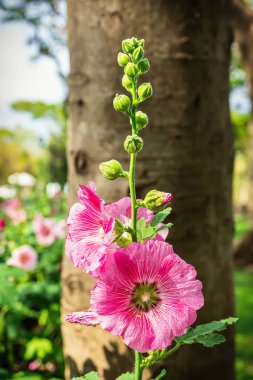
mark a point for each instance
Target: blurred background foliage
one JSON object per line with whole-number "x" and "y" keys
{"x": 29, "y": 301}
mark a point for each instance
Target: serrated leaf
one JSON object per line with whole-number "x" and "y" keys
{"x": 89, "y": 376}
{"x": 194, "y": 335}
{"x": 211, "y": 340}
{"x": 160, "y": 216}
{"x": 126, "y": 376}
{"x": 144, "y": 231}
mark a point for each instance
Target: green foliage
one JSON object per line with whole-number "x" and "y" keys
{"x": 160, "y": 216}
{"x": 161, "y": 375}
{"x": 147, "y": 231}
{"x": 90, "y": 376}
{"x": 244, "y": 331}
{"x": 240, "y": 123}
{"x": 126, "y": 376}
{"x": 55, "y": 162}
{"x": 206, "y": 334}
{"x": 30, "y": 301}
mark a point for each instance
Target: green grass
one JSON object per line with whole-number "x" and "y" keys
{"x": 241, "y": 225}
{"x": 244, "y": 334}
{"x": 244, "y": 310}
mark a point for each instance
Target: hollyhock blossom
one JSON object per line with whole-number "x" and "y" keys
{"x": 44, "y": 229}
{"x": 34, "y": 365}
{"x": 14, "y": 211}
{"x": 122, "y": 210}
{"x": 24, "y": 257}
{"x": 146, "y": 294}
{"x": 2, "y": 224}
{"x": 89, "y": 231}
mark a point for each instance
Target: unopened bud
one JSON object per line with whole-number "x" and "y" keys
{"x": 145, "y": 91}
{"x": 143, "y": 65}
{"x": 133, "y": 144}
{"x": 131, "y": 70}
{"x": 138, "y": 54}
{"x": 124, "y": 240}
{"x": 112, "y": 169}
{"x": 121, "y": 103}
{"x": 141, "y": 120}
{"x": 123, "y": 59}
{"x": 128, "y": 46}
{"x": 140, "y": 43}
{"x": 157, "y": 200}
{"x": 127, "y": 83}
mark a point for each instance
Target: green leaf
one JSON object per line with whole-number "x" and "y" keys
{"x": 162, "y": 374}
{"x": 160, "y": 216}
{"x": 38, "y": 348}
{"x": 211, "y": 340}
{"x": 89, "y": 376}
{"x": 144, "y": 231}
{"x": 126, "y": 376}
{"x": 204, "y": 334}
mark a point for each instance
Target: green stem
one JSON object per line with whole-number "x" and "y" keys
{"x": 133, "y": 193}
{"x": 138, "y": 369}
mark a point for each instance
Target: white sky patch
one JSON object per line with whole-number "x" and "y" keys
{"x": 23, "y": 79}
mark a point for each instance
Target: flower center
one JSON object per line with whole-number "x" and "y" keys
{"x": 23, "y": 258}
{"x": 145, "y": 296}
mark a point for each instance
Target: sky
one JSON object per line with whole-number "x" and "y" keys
{"x": 24, "y": 79}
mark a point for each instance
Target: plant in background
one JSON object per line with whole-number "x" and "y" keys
{"x": 144, "y": 292}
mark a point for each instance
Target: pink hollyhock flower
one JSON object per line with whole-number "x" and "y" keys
{"x": 34, "y": 365}
{"x": 60, "y": 229}
{"x": 122, "y": 210}
{"x": 89, "y": 231}
{"x": 2, "y": 224}
{"x": 13, "y": 210}
{"x": 146, "y": 294}
{"x": 44, "y": 229}
{"x": 24, "y": 257}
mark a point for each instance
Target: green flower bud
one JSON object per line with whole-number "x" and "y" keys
{"x": 121, "y": 103}
{"x": 131, "y": 70}
{"x": 140, "y": 43}
{"x": 157, "y": 200}
{"x": 141, "y": 120}
{"x": 138, "y": 54}
{"x": 112, "y": 169}
{"x": 127, "y": 83}
{"x": 124, "y": 240}
{"x": 133, "y": 144}
{"x": 143, "y": 65}
{"x": 145, "y": 91}
{"x": 128, "y": 46}
{"x": 123, "y": 59}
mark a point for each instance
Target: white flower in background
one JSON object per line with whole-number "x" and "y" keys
{"x": 22, "y": 179}
{"x": 53, "y": 189}
{"x": 7, "y": 192}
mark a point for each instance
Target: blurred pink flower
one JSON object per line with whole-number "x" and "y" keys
{"x": 89, "y": 231}
{"x": 51, "y": 367}
{"x": 34, "y": 365}
{"x": 61, "y": 229}
{"x": 2, "y": 224}
{"x": 24, "y": 257}
{"x": 122, "y": 210}
{"x": 146, "y": 294}
{"x": 44, "y": 229}
{"x": 14, "y": 211}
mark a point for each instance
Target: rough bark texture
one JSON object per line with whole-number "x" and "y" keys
{"x": 188, "y": 151}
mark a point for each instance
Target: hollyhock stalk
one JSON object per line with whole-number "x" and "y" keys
{"x": 131, "y": 176}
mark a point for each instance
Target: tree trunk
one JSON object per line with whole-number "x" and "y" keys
{"x": 188, "y": 151}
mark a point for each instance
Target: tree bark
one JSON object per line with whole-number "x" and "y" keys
{"x": 188, "y": 151}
